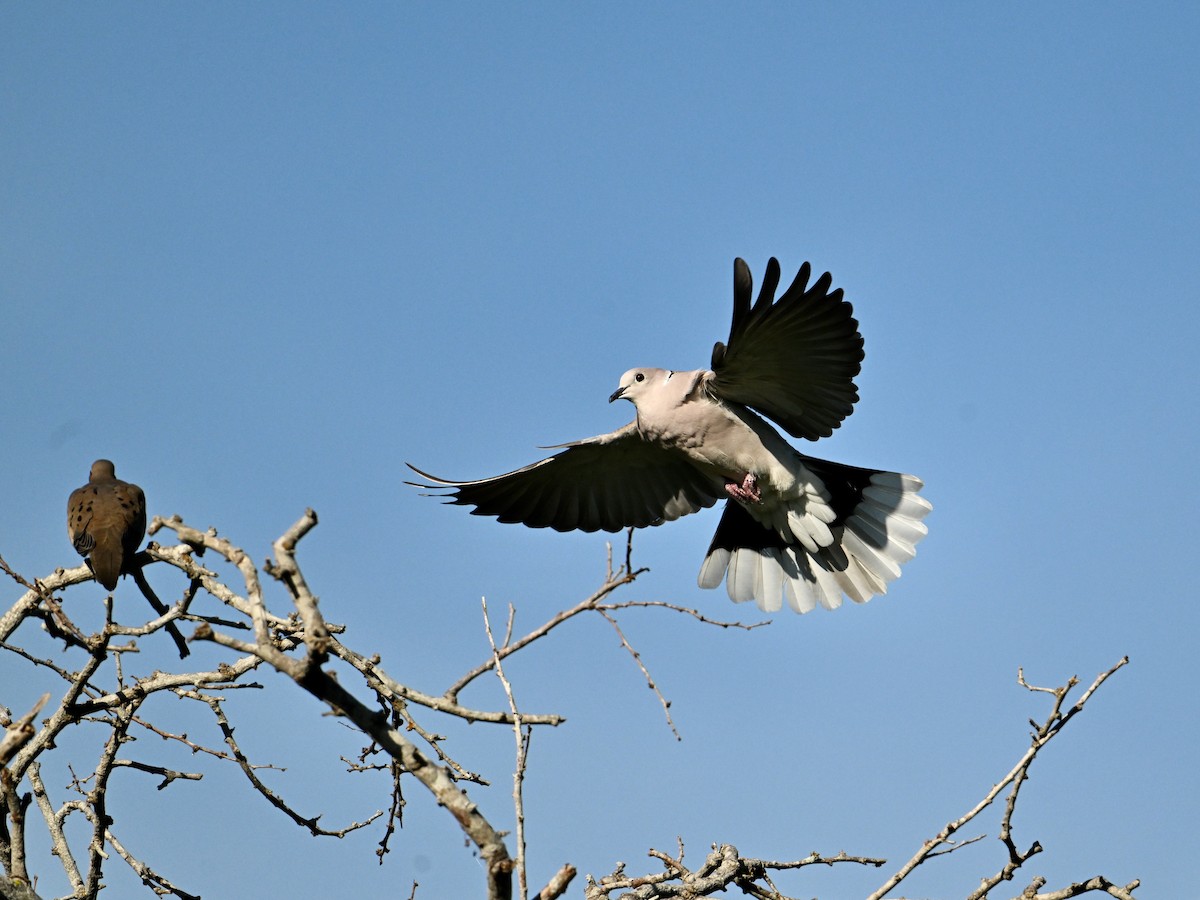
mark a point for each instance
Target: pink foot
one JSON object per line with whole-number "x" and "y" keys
{"x": 747, "y": 491}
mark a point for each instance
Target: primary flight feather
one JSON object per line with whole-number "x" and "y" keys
{"x": 794, "y": 528}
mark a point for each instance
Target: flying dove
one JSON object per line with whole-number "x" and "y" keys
{"x": 106, "y": 520}
{"x": 794, "y": 527}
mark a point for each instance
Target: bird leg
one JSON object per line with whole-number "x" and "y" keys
{"x": 747, "y": 491}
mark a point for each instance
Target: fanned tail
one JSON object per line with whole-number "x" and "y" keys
{"x": 878, "y": 523}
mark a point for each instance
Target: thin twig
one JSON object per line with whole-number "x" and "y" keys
{"x": 637, "y": 658}
{"x": 310, "y": 823}
{"x": 685, "y": 610}
{"x": 612, "y": 582}
{"x": 522, "y": 734}
{"x": 1053, "y": 725}
{"x": 156, "y": 882}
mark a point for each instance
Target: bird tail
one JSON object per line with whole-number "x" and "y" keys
{"x": 106, "y": 563}
{"x": 111, "y": 548}
{"x": 877, "y": 524}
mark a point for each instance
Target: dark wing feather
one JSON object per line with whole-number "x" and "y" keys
{"x": 793, "y": 359}
{"x": 608, "y": 483}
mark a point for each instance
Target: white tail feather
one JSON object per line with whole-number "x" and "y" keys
{"x": 820, "y": 565}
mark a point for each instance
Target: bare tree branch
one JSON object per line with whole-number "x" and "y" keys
{"x": 522, "y": 734}
{"x": 18, "y": 733}
{"x": 1043, "y": 734}
{"x": 637, "y": 658}
{"x": 54, "y": 824}
{"x": 149, "y": 877}
{"x": 557, "y": 886}
{"x": 1098, "y": 884}
{"x": 100, "y": 683}
{"x": 168, "y": 616}
{"x": 723, "y": 868}
{"x": 612, "y": 582}
{"x": 307, "y": 673}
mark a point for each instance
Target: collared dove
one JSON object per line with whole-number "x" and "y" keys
{"x": 106, "y": 520}
{"x": 794, "y": 527}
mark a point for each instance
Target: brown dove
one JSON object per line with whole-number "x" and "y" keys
{"x": 795, "y": 528}
{"x": 106, "y": 521}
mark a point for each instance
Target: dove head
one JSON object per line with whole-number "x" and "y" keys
{"x": 102, "y": 470}
{"x": 636, "y": 383}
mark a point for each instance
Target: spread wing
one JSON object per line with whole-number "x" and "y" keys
{"x": 608, "y": 483}
{"x": 793, "y": 359}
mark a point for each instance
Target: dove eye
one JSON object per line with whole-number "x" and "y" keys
{"x": 639, "y": 377}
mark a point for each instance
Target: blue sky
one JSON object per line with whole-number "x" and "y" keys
{"x": 261, "y": 255}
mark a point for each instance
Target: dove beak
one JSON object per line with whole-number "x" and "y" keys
{"x": 617, "y": 394}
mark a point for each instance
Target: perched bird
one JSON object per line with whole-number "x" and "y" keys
{"x": 794, "y": 527}
{"x": 106, "y": 520}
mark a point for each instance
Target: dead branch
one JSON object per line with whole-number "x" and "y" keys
{"x": 557, "y": 886}
{"x": 614, "y": 578}
{"x": 522, "y": 734}
{"x": 612, "y": 582}
{"x": 101, "y": 688}
{"x": 1053, "y": 725}
{"x": 98, "y": 692}
{"x": 306, "y": 671}
{"x": 637, "y": 659}
{"x": 723, "y": 868}
{"x": 1098, "y": 884}
{"x": 18, "y": 733}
